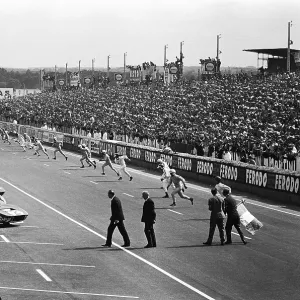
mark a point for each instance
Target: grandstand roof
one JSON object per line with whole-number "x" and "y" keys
{"x": 275, "y": 52}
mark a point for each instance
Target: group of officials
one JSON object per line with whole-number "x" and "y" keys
{"x": 117, "y": 220}
{"x": 218, "y": 205}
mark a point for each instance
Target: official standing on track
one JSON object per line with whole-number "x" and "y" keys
{"x": 217, "y": 216}
{"x": 233, "y": 218}
{"x": 116, "y": 220}
{"x": 149, "y": 217}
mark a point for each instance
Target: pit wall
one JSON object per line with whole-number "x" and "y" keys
{"x": 275, "y": 184}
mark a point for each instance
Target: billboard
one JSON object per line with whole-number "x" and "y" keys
{"x": 74, "y": 79}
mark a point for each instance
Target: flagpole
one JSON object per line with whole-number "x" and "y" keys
{"x": 55, "y": 76}
{"x": 218, "y": 51}
{"x": 124, "y": 76}
{"x": 108, "y": 57}
{"x": 79, "y": 72}
{"x": 66, "y": 74}
{"x": 181, "y": 58}
{"x": 288, "y": 59}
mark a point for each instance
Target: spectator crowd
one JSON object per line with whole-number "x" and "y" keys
{"x": 241, "y": 113}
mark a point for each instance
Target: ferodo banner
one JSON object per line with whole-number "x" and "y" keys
{"x": 287, "y": 183}
{"x": 205, "y": 167}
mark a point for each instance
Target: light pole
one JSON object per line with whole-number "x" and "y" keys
{"x": 108, "y": 68}
{"x": 66, "y": 74}
{"x": 79, "y": 71}
{"x": 181, "y": 58}
{"x": 165, "y": 54}
{"x": 290, "y": 42}
{"x": 218, "y": 52}
{"x": 55, "y": 76}
{"x": 124, "y": 75}
{"x": 93, "y": 61}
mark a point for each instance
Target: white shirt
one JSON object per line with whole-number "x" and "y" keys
{"x": 121, "y": 160}
{"x": 89, "y": 135}
{"x": 104, "y": 137}
{"x": 227, "y": 156}
{"x": 221, "y": 187}
{"x": 97, "y": 136}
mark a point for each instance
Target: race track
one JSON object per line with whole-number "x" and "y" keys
{"x": 56, "y": 252}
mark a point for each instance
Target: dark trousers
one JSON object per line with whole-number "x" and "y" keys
{"x": 212, "y": 227}
{"x": 122, "y": 230}
{"x": 150, "y": 235}
{"x": 233, "y": 221}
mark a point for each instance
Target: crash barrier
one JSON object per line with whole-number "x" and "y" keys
{"x": 272, "y": 183}
{"x": 288, "y": 162}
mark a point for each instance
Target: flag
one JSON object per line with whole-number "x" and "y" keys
{"x": 247, "y": 219}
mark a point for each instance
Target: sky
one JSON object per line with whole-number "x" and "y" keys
{"x": 43, "y": 33}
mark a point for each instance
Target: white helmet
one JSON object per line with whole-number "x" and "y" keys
{"x": 172, "y": 171}
{"x": 103, "y": 151}
{"x": 159, "y": 161}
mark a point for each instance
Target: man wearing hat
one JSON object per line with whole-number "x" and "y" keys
{"x": 116, "y": 220}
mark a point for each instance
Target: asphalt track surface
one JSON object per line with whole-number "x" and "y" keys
{"x": 56, "y": 253}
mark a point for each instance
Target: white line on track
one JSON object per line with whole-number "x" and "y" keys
{"x": 244, "y": 236}
{"x": 2, "y": 149}
{"x": 45, "y": 276}
{"x": 46, "y": 264}
{"x": 67, "y": 172}
{"x": 5, "y": 239}
{"x": 67, "y": 293}
{"x": 46, "y": 165}
{"x": 93, "y": 182}
{"x": 118, "y": 246}
{"x": 55, "y": 244}
{"x": 128, "y": 195}
{"x": 29, "y": 226}
{"x": 176, "y": 212}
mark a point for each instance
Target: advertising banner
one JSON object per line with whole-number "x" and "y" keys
{"x": 118, "y": 77}
{"x": 135, "y": 74}
{"x": 74, "y": 79}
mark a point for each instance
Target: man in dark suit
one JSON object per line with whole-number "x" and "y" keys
{"x": 217, "y": 216}
{"x": 148, "y": 218}
{"x": 116, "y": 220}
{"x": 233, "y": 218}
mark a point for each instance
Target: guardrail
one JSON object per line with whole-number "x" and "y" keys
{"x": 273, "y": 183}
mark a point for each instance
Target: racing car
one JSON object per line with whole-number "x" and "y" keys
{"x": 10, "y": 213}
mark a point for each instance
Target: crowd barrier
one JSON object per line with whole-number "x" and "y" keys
{"x": 273, "y": 183}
